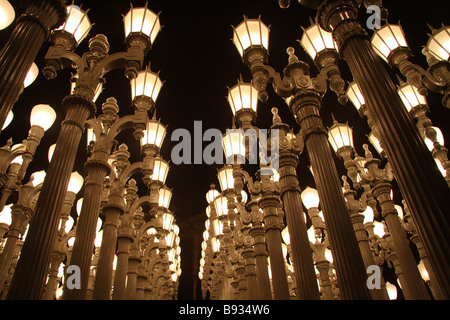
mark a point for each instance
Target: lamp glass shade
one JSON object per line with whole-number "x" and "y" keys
{"x": 368, "y": 215}
{"x": 8, "y": 120}
{"x": 77, "y": 23}
{"x": 221, "y": 205}
{"x": 315, "y": 40}
{"x": 211, "y": 195}
{"x": 75, "y": 183}
{"x": 226, "y": 179}
{"x": 218, "y": 227}
{"x": 355, "y": 95}
{"x": 69, "y": 224}
{"x": 160, "y": 170}
{"x": 208, "y": 211}
{"x": 285, "y": 236}
{"x": 399, "y": 210}
{"x": 388, "y": 38}
{"x": 167, "y": 220}
{"x": 7, "y": 14}
{"x": 38, "y": 177}
{"x": 170, "y": 238}
{"x": 98, "y": 239}
{"x": 391, "y": 290}
{"x": 375, "y": 142}
{"x": 439, "y": 43}
{"x": 51, "y": 151}
{"x": 423, "y": 271}
{"x": 250, "y": 32}
{"x": 205, "y": 235}
{"x": 215, "y": 244}
{"x": 31, "y": 75}
{"x": 146, "y": 84}
{"x": 154, "y": 133}
{"x": 42, "y": 115}
{"x": 234, "y": 146}
{"x": 17, "y": 160}
{"x": 410, "y": 96}
{"x": 340, "y": 135}
{"x": 378, "y": 229}
{"x": 310, "y": 198}
{"x": 243, "y": 96}
{"x": 311, "y": 234}
{"x": 79, "y": 205}
{"x": 165, "y": 195}
{"x": 5, "y": 215}
{"x": 142, "y": 21}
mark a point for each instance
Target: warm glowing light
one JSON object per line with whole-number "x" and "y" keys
{"x": 77, "y": 23}
{"x": 146, "y": 84}
{"x": 160, "y": 170}
{"x": 243, "y": 96}
{"x": 31, "y": 75}
{"x": 249, "y": 33}
{"x": 315, "y": 40}
{"x": 75, "y": 183}
{"x": 38, "y": 177}
{"x": 154, "y": 133}
{"x": 42, "y": 115}
{"x": 221, "y": 205}
{"x": 7, "y": 14}
{"x": 410, "y": 96}
{"x": 310, "y": 198}
{"x": 439, "y": 43}
{"x": 165, "y": 195}
{"x": 226, "y": 179}
{"x": 234, "y": 146}
{"x": 355, "y": 95}
{"x": 387, "y": 39}
{"x": 142, "y": 21}
{"x": 8, "y": 119}
{"x": 340, "y": 135}
{"x": 5, "y": 215}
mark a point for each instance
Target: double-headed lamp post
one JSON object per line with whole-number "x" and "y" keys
{"x": 251, "y": 38}
{"x": 78, "y": 106}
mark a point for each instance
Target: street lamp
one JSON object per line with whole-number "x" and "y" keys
{"x": 305, "y": 96}
{"x": 78, "y": 107}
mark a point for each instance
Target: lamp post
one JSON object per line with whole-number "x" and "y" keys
{"x": 78, "y": 107}
{"x": 16, "y": 57}
{"x": 342, "y": 141}
{"x": 305, "y": 96}
{"x": 397, "y": 132}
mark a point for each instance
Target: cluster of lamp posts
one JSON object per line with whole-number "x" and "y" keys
{"x": 242, "y": 253}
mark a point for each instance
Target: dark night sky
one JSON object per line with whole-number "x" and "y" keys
{"x": 198, "y": 61}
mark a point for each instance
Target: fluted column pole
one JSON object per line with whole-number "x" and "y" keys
{"x": 32, "y": 29}
{"x": 425, "y": 191}
{"x": 301, "y": 251}
{"x": 250, "y": 272}
{"x": 363, "y": 239}
{"x": 20, "y": 216}
{"x": 124, "y": 240}
{"x": 269, "y": 204}
{"x": 348, "y": 261}
{"x": 413, "y": 286}
{"x": 103, "y": 279}
{"x": 38, "y": 247}
{"x": 262, "y": 271}
{"x": 133, "y": 263}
